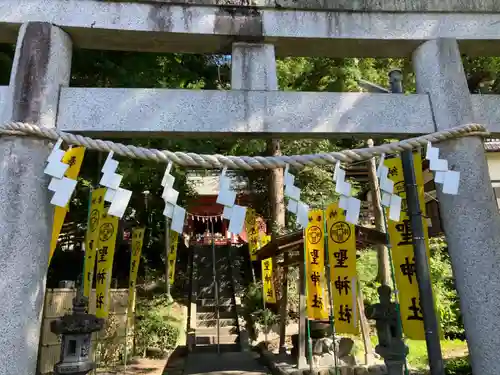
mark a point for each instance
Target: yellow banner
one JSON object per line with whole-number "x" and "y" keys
{"x": 264, "y": 240}
{"x": 343, "y": 276}
{"x": 108, "y": 228}
{"x": 267, "y": 274}
{"x": 315, "y": 267}
{"x": 172, "y": 255}
{"x": 135, "y": 259}
{"x": 402, "y": 250}
{"x": 252, "y": 229}
{"x": 267, "y": 279}
{"x": 92, "y": 238}
{"x": 74, "y": 158}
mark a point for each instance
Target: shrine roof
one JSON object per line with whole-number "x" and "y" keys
{"x": 294, "y": 241}
{"x": 492, "y": 145}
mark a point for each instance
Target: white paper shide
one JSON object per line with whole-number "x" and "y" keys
{"x": 62, "y": 186}
{"x": 351, "y": 205}
{"x": 295, "y": 206}
{"x": 172, "y": 211}
{"x": 449, "y": 179}
{"x": 232, "y": 212}
{"x": 118, "y": 197}
{"x": 388, "y": 198}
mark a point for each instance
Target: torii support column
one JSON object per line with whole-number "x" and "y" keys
{"x": 41, "y": 66}
{"x": 470, "y": 219}
{"x": 253, "y": 67}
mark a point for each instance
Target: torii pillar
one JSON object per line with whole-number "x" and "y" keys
{"x": 471, "y": 220}
{"x": 42, "y": 64}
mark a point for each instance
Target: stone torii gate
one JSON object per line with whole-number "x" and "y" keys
{"x": 434, "y": 33}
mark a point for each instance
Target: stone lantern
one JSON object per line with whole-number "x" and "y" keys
{"x": 391, "y": 346}
{"x": 76, "y": 330}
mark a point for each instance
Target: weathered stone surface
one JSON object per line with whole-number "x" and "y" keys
{"x": 78, "y": 322}
{"x": 4, "y": 100}
{"x": 356, "y": 5}
{"x": 236, "y": 112}
{"x": 320, "y": 28}
{"x": 361, "y": 371}
{"x": 41, "y": 65}
{"x": 345, "y": 346}
{"x": 472, "y": 219}
{"x": 346, "y": 371}
{"x": 377, "y": 370}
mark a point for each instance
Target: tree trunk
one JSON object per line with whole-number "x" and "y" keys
{"x": 277, "y": 216}
{"x": 384, "y": 268}
{"x": 276, "y": 197}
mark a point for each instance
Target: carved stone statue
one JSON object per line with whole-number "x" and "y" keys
{"x": 325, "y": 349}
{"x": 391, "y": 346}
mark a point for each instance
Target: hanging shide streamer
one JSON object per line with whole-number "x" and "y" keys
{"x": 74, "y": 158}
{"x": 203, "y": 217}
{"x": 315, "y": 267}
{"x": 402, "y": 250}
{"x": 252, "y": 229}
{"x": 135, "y": 259}
{"x": 108, "y": 227}
{"x": 343, "y": 276}
{"x": 172, "y": 255}
{"x": 92, "y": 237}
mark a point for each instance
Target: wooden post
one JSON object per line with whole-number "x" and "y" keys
{"x": 365, "y": 327}
{"x": 283, "y": 306}
{"x": 167, "y": 262}
{"x": 301, "y": 360}
{"x": 384, "y": 270}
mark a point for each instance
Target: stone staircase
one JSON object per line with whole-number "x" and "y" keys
{"x": 230, "y": 276}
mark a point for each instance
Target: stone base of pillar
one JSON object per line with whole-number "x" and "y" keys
{"x": 302, "y": 363}
{"x": 395, "y": 367}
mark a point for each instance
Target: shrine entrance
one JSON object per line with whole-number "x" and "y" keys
{"x": 441, "y": 117}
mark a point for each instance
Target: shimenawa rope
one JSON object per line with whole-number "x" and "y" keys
{"x": 189, "y": 159}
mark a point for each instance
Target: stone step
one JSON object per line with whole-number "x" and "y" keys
{"x": 212, "y": 323}
{"x": 211, "y": 348}
{"x": 212, "y": 331}
{"x": 202, "y": 290}
{"x": 223, "y": 284}
{"x": 210, "y": 309}
{"x": 210, "y": 294}
{"x": 225, "y": 299}
{"x": 226, "y": 289}
{"x": 211, "y": 302}
{"x": 211, "y": 315}
{"x": 212, "y": 339}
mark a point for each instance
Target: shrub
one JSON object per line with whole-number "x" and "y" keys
{"x": 458, "y": 366}
{"x": 447, "y": 302}
{"x": 156, "y": 327}
{"x": 254, "y": 311}
{"x": 155, "y": 331}
{"x": 110, "y": 346}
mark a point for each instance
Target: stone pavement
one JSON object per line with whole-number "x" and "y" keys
{"x": 235, "y": 363}
{"x": 139, "y": 366}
